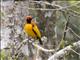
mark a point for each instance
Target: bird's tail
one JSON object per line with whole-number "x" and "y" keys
{"x": 40, "y": 41}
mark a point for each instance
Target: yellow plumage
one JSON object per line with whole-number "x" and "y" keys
{"x": 28, "y": 28}
{"x": 31, "y": 29}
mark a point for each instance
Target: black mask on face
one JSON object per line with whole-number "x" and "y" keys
{"x": 28, "y": 20}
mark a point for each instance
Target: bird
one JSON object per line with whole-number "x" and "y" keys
{"x": 31, "y": 28}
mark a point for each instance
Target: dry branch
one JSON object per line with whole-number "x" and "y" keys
{"x": 52, "y": 4}
{"x": 36, "y": 45}
{"x": 43, "y": 49}
{"x": 62, "y": 52}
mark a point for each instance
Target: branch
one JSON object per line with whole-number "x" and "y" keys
{"x": 74, "y": 33}
{"x": 52, "y": 4}
{"x": 62, "y": 52}
{"x": 75, "y": 52}
{"x": 47, "y": 3}
{"x": 43, "y": 49}
{"x": 61, "y": 44}
{"x": 43, "y": 9}
{"x": 36, "y": 45}
{"x": 75, "y": 12}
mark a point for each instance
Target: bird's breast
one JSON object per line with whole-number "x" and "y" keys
{"x": 28, "y": 30}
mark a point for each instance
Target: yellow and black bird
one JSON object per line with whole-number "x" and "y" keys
{"x": 31, "y": 29}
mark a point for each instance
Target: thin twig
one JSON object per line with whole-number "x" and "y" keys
{"x": 36, "y": 45}
{"x": 63, "y": 51}
{"x": 47, "y": 3}
{"x": 75, "y": 12}
{"x": 75, "y": 51}
{"x": 43, "y": 9}
{"x": 61, "y": 44}
{"x": 43, "y": 49}
{"x": 74, "y": 32}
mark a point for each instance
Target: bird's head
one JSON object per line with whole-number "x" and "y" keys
{"x": 28, "y": 19}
